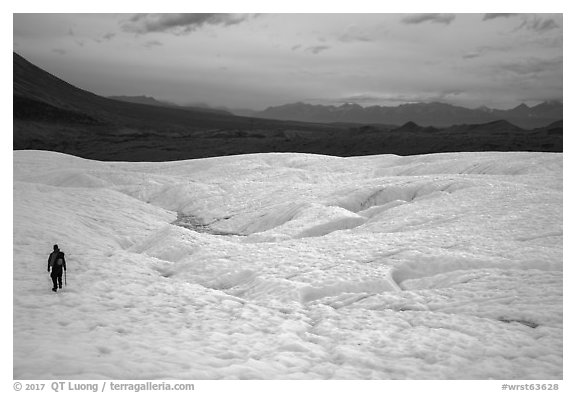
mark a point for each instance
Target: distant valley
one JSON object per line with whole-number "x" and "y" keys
{"x": 152, "y": 101}
{"x": 51, "y": 114}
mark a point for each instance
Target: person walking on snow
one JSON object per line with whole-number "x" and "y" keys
{"x": 57, "y": 262}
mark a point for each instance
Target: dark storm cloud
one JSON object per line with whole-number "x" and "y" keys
{"x": 182, "y": 23}
{"x": 317, "y": 48}
{"x": 539, "y": 24}
{"x": 495, "y": 16}
{"x": 432, "y": 18}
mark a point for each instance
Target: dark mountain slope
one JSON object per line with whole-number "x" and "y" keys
{"x": 52, "y": 114}
{"x": 32, "y": 84}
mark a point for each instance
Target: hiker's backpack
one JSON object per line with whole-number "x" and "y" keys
{"x": 59, "y": 259}
{"x": 52, "y": 259}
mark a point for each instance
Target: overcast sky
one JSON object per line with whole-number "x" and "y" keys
{"x": 256, "y": 61}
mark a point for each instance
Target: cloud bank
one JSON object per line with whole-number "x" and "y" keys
{"x": 317, "y": 48}
{"x": 495, "y": 16}
{"x": 539, "y": 24}
{"x": 433, "y": 18}
{"x": 178, "y": 23}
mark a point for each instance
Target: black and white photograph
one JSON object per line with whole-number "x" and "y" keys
{"x": 288, "y": 196}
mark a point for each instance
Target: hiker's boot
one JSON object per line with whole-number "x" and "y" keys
{"x": 54, "y": 289}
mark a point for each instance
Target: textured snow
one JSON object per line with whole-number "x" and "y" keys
{"x": 292, "y": 266}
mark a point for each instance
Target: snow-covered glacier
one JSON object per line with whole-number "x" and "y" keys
{"x": 290, "y": 266}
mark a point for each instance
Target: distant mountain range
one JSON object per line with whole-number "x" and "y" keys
{"x": 427, "y": 114}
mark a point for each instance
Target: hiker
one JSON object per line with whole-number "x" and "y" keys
{"x": 57, "y": 262}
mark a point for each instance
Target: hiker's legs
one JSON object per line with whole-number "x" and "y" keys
{"x": 60, "y": 280}
{"x": 54, "y": 281}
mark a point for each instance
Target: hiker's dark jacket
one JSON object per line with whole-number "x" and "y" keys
{"x": 57, "y": 262}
